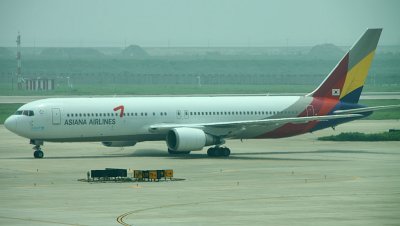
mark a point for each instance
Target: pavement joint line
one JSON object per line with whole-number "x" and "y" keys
{"x": 120, "y": 219}
{"x": 41, "y": 221}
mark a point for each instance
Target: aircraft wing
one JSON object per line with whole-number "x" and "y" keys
{"x": 222, "y": 128}
{"x": 365, "y": 109}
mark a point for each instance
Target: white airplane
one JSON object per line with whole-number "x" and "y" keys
{"x": 191, "y": 123}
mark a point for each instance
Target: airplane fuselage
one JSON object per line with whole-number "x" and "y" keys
{"x": 129, "y": 118}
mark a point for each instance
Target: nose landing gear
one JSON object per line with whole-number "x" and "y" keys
{"x": 38, "y": 153}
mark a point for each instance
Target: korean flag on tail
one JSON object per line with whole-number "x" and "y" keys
{"x": 335, "y": 92}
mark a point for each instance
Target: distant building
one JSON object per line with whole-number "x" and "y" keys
{"x": 39, "y": 84}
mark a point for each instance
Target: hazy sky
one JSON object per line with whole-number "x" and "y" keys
{"x": 195, "y": 23}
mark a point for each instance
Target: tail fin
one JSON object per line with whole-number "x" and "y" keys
{"x": 346, "y": 80}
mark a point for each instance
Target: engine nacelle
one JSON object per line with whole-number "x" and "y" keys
{"x": 118, "y": 143}
{"x": 189, "y": 139}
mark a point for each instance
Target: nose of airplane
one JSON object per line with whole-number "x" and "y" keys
{"x": 11, "y": 123}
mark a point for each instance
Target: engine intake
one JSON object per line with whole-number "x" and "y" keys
{"x": 189, "y": 139}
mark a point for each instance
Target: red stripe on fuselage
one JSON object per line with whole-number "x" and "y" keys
{"x": 322, "y": 106}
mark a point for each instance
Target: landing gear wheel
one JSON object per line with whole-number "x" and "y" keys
{"x": 38, "y": 154}
{"x": 218, "y": 152}
{"x": 172, "y": 152}
{"x": 211, "y": 152}
{"x": 225, "y": 152}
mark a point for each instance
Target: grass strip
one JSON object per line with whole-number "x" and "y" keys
{"x": 356, "y": 136}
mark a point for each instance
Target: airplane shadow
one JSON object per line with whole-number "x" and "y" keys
{"x": 314, "y": 152}
{"x": 140, "y": 153}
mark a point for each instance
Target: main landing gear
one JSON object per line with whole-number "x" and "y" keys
{"x": 38, "y": 153}
{"x": 218, "y": 152}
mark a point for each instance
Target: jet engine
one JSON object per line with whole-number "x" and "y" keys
{"x": 189, "y": 139}
{"x": 118, "y": 143}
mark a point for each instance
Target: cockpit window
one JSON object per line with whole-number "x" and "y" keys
{"x": 26, "y": 112}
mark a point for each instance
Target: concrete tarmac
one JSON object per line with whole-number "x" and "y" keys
{"x": 291, "y": 181}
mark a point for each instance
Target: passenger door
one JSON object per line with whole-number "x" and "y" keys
{"x": 178, "y": 114}
{"x": 56, "y": 115}
{"x": 310, "y": 110}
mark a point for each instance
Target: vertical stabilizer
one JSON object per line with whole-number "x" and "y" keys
{"x": 346, "y": 80}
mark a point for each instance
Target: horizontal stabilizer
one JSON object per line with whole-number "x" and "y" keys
{"x": 366, "y": 109}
